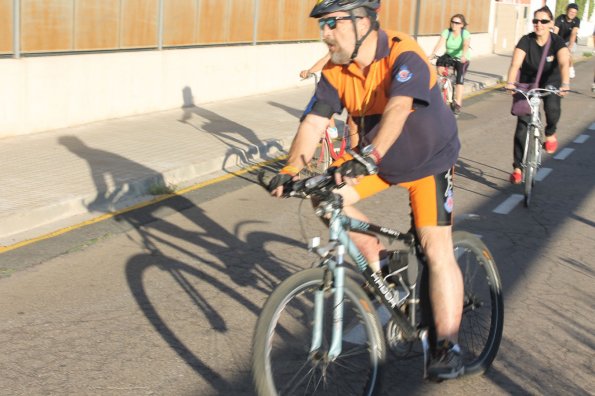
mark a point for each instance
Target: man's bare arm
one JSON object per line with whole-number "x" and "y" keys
{"x": 306, "y": 139}
{"x": 395, "y": 114}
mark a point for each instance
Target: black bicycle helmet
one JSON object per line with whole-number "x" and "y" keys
{"x": 327, "y": 6}
{"x": 323, "y": 7}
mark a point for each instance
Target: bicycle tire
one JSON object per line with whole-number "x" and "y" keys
{"x": 287, "y": 327}
{"x": 480, "y": 333}
{"x": 449, "y": 92}
{"x": 320, "y": 161}
{"x": 530, "y": 166}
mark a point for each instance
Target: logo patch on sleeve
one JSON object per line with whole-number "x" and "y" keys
{"x": 404, "y": 74}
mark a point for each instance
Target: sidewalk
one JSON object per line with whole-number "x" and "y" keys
{"x": 61, "y": 178}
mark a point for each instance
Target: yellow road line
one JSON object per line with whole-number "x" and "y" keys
{"x": 4, "y": 249}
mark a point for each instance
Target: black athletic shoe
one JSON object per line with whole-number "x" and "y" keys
{"x": 446, "y": 363}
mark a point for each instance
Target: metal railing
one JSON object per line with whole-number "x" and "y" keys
{"x": 270, "y": 21}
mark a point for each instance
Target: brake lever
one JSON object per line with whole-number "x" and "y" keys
{"x": 369, "y": 168}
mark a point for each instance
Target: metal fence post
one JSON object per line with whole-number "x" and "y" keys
{"x": 160, "y": 26}
{"x": 416, "y": 22}
{"x": 16, "y": 28}
{"x": 255, "y": 28}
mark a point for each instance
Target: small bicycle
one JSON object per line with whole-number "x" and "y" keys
{"x": 319, "y": 333}
{"x": 445, "y": 78}
{"x": 332, "y": 146}
{"x": 535, "y": 138}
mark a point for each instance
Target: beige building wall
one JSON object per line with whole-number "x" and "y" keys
{"x": 60, "y": 90}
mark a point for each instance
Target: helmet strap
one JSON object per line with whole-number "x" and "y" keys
{"x": 359, "y": 42}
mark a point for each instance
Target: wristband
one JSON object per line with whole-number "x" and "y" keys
{"x": 565, "y": 84}
{"x": 376, "y": 156}
{"x": 289, "y": 170}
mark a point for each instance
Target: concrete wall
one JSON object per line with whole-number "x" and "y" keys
{"x": 51, "y": 92}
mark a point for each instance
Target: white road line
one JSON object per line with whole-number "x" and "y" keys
{"x": 508, "y": 205}
{"x": 542, "y": 173}
{"x": 563, "y": 154}
{"x": 592, "y": 127}
{"x": 581, "y": 139}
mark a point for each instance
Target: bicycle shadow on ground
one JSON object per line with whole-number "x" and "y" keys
{"x": 200, "y": 261}
{"x": 474, "y": 172}
{"x": 198, "y": 257}
{"x": 466, "y": 116}
{"x": 245, "y": 148}
{"x": 228, "y": 266}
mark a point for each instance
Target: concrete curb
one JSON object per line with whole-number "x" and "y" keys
{"x": 46, "y": 219}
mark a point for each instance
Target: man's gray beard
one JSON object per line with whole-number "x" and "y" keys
{"x": 340, "y": 57}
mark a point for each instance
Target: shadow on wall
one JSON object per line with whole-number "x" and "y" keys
{"x": 245, "y": 148}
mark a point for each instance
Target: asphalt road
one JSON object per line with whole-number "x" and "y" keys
{"x": 163, "y": 300}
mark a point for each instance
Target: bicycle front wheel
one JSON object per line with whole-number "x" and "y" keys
{"x": 531, "y": 166}
{"x": 282, "y": 363}
{"x": 483, "y": 308}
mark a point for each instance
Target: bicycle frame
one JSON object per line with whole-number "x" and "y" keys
{"x": 445, "y": 81}
{"x": 340, "y": 242}
{"x": 535, "y": 127}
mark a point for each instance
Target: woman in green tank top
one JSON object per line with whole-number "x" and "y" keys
{"x": 456, "y": 41}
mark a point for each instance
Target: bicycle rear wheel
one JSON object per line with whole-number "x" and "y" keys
{"x": 483, "y": 308}
{"x": 446, "y": 90}
{"x": 531, "y": 166}
{"x": 282, "y": 363}
{"x": 449, "y": 92}
{"x": 320, "y": 161}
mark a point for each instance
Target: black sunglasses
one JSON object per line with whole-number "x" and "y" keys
{"x": 456, "y": 22}
{"x": 331, "y": 22}
{"x": 542, "y": 21}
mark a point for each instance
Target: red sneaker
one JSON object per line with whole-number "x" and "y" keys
{"x": 516, "y": 177}
{"x": 551, "y": 145}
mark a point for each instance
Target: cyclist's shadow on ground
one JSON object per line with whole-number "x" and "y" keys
{"x": 117, "y": 179}
{"x": 474, "y": 171}
{"x": 231, "y": 258}
{"x": 244, "y": 146}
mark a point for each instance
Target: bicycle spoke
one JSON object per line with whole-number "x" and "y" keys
{"x": 481, "y": 325}
{"x": 292, "y": 369}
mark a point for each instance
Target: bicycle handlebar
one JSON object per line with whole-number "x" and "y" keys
{"x": 318, "y": 184}
{"x": 537, "y": 92}
{"x": 309, "y": 76}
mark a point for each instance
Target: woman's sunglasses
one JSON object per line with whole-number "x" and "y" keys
{"x": 457, "y": 22}
{"x": 542, "y": 21}
{"x": 331, "y": 22}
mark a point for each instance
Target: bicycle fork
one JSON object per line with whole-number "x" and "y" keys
{"x": 338, "y": 270}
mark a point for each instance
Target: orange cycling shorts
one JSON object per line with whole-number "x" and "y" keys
{"x": 431, "y": 197}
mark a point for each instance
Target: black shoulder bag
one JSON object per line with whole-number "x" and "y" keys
{"x": 520, "y": 105}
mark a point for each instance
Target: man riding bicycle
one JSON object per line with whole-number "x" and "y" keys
{"x": 407, "y": 138}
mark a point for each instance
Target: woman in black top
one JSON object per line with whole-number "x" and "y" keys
{"x": 525, "y": 59}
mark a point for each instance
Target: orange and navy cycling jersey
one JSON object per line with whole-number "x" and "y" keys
{"x": 429, "y": 142}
